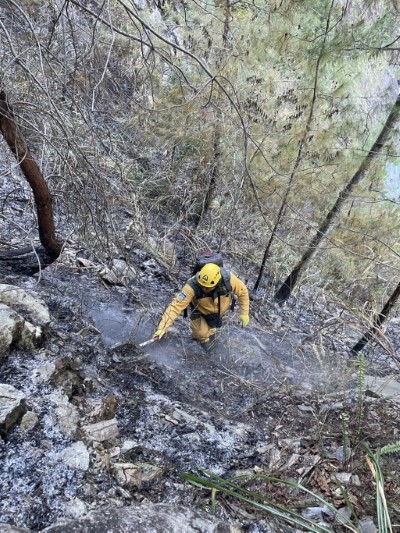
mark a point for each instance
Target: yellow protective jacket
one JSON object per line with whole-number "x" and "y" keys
{"x": 206, "y": 304}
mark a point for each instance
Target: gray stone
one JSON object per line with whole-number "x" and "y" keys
{"x": 11, "y": 327}
{"x": 67, "y": 414}
{"x": 145, "y": 518}
{"x": 45, "y": 372}
{"x": 340, "y": 456}
{"x": 12, "y": 406}
{"x": 30, "y": 302}
{"x": 76, "y": 508}
{"x": 16, "y": 306}
{"x": 366, "y": 525}
{"x": 387, "y": 387}
{"x": 76, "y": 456}
{"x": 343, "y": 477}
{"x": 128, "y": 445}
{"x": 6, "y": 528}
{"x": 316, "y": 513}
{"x": 101, "y": 431}
{"x": 305, "y": 408}
{"x": 14, "y": 329}
{"x": 119, "y": 272}
{"x": 343, "y": 515}
{"x": 135, "y": 474}
{"x": 29, "y": 421}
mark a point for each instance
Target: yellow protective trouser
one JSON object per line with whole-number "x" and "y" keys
{"x": 201, "y": 331}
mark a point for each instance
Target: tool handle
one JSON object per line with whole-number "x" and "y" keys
{"x": 145, "y": 343}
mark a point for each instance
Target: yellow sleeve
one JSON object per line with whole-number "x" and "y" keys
{"x": 175, "y": 308}
{"x": 240, "y": 289}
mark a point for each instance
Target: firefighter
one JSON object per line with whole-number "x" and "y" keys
{"x": 210, "y": 292}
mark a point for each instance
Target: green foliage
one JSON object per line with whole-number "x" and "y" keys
{"x": 373, "y": 462}
{"x": 152, "y": 91}
{"x": 389, "y": 448}
{"x": 361, "y": 366}
{"x": 232, "y": 488}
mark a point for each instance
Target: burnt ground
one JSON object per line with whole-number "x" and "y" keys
{"x": 267, "y": 400}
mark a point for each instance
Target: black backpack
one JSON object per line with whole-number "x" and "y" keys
{"x": 216, "y": 258}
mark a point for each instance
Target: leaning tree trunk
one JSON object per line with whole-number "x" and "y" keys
{"x": 377, "y": 322}
{"x": 287, "y": 287}
{"x": 44, "y": 208}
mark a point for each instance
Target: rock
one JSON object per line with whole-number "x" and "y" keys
{"x": 343, "y": 477}
{"x": 10, "y": 330}
{"x": 12, "y": 407}
{"x": 81, "y": 261}
{"x": 31, "y": 303}
{"x": 163, "y": 246}
{"x": 108, "y": 408}
{"x": 317, "y": 513}
{"x": 67, "y": 414}
{"x": 305, "y": 408}
{"x": 16, "y": 330}
{"x": 115, "y": 451}
{"x": 6, "y": 528}
{"x": 343, "y": 515}
{"x": 135, "y": 474}
{"x": 274, "y": 459}
{"x": 29, "y": 421}
{"x": 76, "y": 456}
{"x": 128, "y": 445}
{"x": 101, "y": 431}
{"x": 45, "y": 372}
{"x": 145, "y": 518}
{"x": 387, "y": 387}
{"x": 292, "y": 460}
{"x": 68, "y": 418}
{"x": 366, "y": 525}
{"x": 67, "y": 375}
{"x": 340, "y": 455}
{"x": 76, "y": 508}
{"x": 119, "y": 273}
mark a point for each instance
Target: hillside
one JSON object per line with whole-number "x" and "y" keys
{"x": 134, "y": 136}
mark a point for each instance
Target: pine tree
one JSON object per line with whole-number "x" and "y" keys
{"x": 286, "y": 288}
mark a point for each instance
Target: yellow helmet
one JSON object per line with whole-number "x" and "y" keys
{"x": 209, "y": 275}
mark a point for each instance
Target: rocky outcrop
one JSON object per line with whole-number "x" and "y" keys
{"x": 23, "y": 316}
{"x": 12, "y": 407}
{"x": 145, "y": 518}
{"x": 27, "y": 302}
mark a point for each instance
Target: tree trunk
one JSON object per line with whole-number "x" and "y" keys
{"x": 267, "y": 249}
{"x": 287, "y": 287}
{"x": 44, "y": 208}
{"x": 379, "y": 319}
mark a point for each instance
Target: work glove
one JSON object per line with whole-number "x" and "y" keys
{"x": 159, "y": 334}
{"x": 244, "y": 319}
